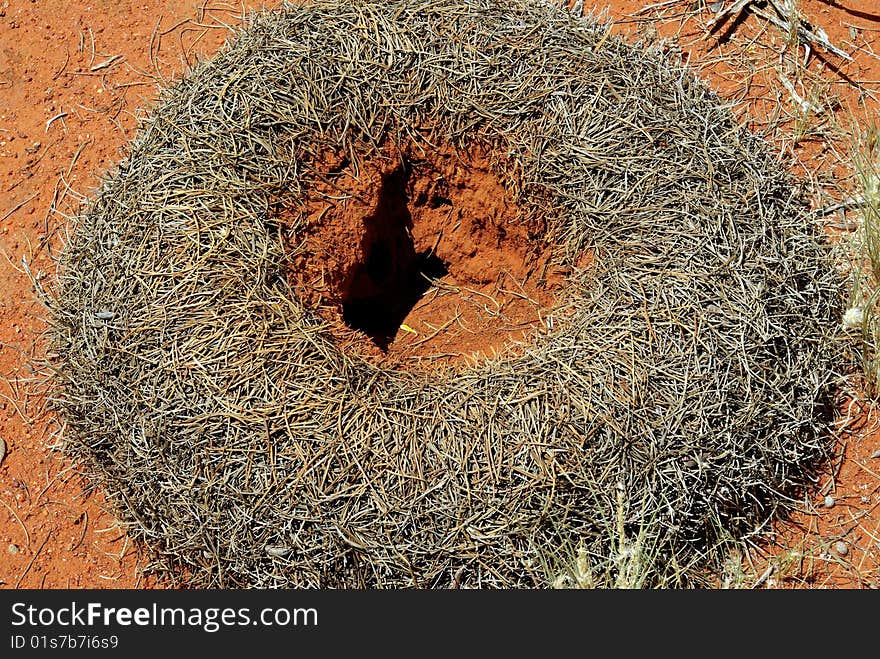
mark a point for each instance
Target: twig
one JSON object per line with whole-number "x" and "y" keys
{"x": 106, "y": 63}
{"x": 733, "y": 10}
{"x": 19, "y": 205}
{"x": 27, "y": 535}
{"x": 60, "y": 115}
{"x": 33, "y": 558}
{"x": 803, "y": 32}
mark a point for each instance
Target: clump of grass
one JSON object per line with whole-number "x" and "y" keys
{"x": 631, "y": 558}
{"x": 863, "y": 313}
{"x": 636, "y": 555}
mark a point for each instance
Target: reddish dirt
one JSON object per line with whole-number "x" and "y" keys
{"x": 71, "y": 82}
{"x": 426, "y": 262}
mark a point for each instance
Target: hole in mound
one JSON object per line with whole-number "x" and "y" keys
{"x": 421, "y": 259}
{"x": 381, "y": 291}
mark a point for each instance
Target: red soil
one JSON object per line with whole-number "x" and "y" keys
{"x": 71, "y": 82}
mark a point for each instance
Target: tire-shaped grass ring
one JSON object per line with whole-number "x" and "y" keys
{"x": 680, "y": 400}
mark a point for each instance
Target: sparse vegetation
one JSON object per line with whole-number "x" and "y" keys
{"x": 863, "y": 314}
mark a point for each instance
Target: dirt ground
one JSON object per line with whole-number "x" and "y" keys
{"x": 72, "y": 82}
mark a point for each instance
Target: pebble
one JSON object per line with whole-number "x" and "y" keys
{"x": 829, "y": 501}
{"x": 841, "y": 548}
{"x": 876, "y": 454}
{"x": 2, "y": 449}
{"x": 13, "y": 548}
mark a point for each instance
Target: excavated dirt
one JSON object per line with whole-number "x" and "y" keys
{"x": 421, "y": 259}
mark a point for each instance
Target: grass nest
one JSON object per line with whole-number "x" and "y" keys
{"x": 682, "y": 398}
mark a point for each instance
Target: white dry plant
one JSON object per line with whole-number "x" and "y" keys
{"x": 630, "y": 562}
{"x": 862, "y": 312}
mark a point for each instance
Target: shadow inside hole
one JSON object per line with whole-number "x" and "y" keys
{"x": 380, "y": 316}
{"x": 383, "y": 289}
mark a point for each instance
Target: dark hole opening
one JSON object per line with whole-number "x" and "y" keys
{"x": 382, "y": 290}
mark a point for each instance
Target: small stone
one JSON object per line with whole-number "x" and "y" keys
{"x": 2, "y": 449}
{"x": 841, "y": 548}
{"x": 829, "y": 501}
{"x": 876, "y": 454}
{"x": 13, "y": 548}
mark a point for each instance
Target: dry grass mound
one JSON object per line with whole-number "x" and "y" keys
{"x": 681, "y": 398}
